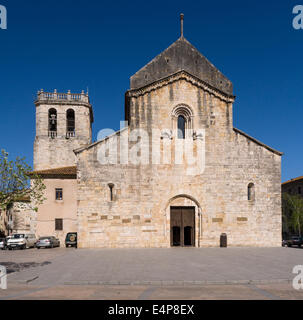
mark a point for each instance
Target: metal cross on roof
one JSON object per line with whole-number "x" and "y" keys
{"x": 182, "y": 19}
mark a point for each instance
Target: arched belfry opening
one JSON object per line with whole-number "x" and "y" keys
{"x": 70, "y": 123}
{"x": 52, "y": 123}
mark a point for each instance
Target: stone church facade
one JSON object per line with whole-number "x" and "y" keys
{"x": 156, "y": 201}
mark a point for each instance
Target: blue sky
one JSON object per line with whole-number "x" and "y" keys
{"x": 71, "y": 44}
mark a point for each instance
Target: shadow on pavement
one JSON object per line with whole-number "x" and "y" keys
{"x": 12, "y": 267}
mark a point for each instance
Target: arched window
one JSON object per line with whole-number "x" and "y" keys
{"x": 251, "y": 192}
{"x": 70, "y": 123}
{"x": 182, "y": 118}
{"x": 181, "y": 127}
{"x": 52, "y": 123}
{"x": 111, "y": 191}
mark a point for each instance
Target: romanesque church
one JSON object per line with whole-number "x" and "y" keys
{"x": 177, "y": 98}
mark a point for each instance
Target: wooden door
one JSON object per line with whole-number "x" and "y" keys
{"x": 182, "y": 226}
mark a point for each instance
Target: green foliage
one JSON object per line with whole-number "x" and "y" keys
{"x": 18, "y": 183}
{"x": 292, "y": 210}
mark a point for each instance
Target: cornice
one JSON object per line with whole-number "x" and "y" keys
{"x": 181, "y": 75}
{"x": 63, "y": 102}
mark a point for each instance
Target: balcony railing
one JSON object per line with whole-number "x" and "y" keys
{"x": 70, "y": 134}
{"x": 52, "y": 134}
{"x": 56, "y": 96}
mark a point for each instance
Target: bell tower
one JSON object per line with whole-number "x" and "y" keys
{"x": 63, "y": 124}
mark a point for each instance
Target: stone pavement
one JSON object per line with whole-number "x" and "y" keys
{"x": 186, "y": 273}
{"x": 275, "y": 291}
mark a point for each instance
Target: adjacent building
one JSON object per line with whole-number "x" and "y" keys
{"x": 293, "y": 186}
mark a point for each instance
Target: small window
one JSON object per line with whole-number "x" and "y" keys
{"x": 181, "y": 127}
{"x": 251, "y": 192}
{"x": 111, "y": 191}
{"x": 59, "y": 194}
{"x": 58, "y": 224}
{"x": 182, "y": 121}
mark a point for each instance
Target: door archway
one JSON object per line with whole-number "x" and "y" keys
{"x": 183, "y": 212}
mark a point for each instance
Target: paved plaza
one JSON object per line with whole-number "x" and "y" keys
{"x": 177, "y": 273}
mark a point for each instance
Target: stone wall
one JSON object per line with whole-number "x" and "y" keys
{"x": 58, "y": 152}
{"x": 139, "y": 215}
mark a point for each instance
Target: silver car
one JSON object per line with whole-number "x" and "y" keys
{"x": 48, "y": 242}
{"x": 21, "y": 241}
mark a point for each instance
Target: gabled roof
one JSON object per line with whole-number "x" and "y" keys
{"x": 81, "y": 149}
{"x": 86, "y": 147}
{"x": 63, "y": 172}
{"x": 258, "y": 142}
{"x": 181, "y": 56}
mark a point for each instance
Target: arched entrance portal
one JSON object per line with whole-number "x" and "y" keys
{"x": 182, "y": 226}
{"x": 183, "y": 223}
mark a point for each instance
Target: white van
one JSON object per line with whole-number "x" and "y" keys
{"x": 21, "y": 241}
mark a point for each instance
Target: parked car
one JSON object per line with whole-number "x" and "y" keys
{"x": 71, "y": 240}
{"x": 48, "y": 242}
{"x": 294, "y": 241}
{"x": 21, "y": 241}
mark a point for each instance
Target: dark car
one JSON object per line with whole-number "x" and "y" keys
{"x": 294, "y": 241}
{"x": 48, "y": 242}
{"x": 71, "y": 240}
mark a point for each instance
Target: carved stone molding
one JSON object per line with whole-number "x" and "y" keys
{"x": 166, "y": 134}
{"x": 198, "y": 135}
{"x": 181, "y": 75}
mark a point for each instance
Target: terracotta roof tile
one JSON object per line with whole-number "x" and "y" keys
{"x": 292, "y": 180}
{"x": 64, "y": 171}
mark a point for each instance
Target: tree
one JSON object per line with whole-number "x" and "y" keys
{"x": 292, "y": 209}
{"x": 17, "y": 182}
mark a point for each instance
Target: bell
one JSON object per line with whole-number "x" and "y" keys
{"x": 53, "y": 119}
